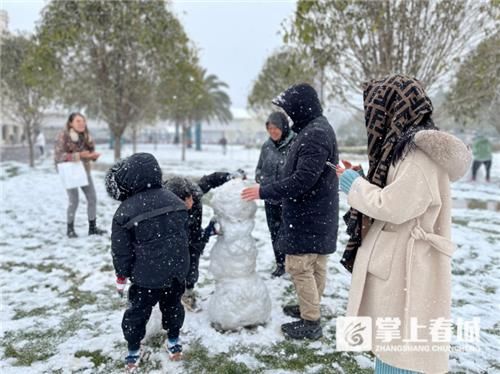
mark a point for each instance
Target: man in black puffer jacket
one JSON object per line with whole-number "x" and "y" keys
{"x": 309, "y": 193}
{"x": 149, "y": 244}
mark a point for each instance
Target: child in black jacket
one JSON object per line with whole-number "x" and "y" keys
{"x": 191, "y": 193}
{"x": 149, "y": 244}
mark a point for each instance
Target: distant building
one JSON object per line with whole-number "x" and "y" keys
{"x": 242, "y": 129}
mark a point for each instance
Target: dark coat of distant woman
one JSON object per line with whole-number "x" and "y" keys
{"x": 273, "y": 154}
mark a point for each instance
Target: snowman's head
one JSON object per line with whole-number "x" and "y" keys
{"x": 228, "y": 204}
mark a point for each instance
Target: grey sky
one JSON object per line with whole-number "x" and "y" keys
{"x": 234, "y": 37}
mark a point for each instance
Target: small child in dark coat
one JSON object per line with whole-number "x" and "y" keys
{"x": 149, "y": 244}
{"x": 191, "y": 193}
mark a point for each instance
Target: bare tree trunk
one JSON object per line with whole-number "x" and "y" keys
{"x": 322, "y": 85}
{"x": 183, "y": 139}
{"x": 134, "y": 139}
{"x": 189, "y": 136}
{"x": 176, "y": 137}
{"x": 493, "y": 113}
{"x": 118, "y": 147}
{"x": 197, "y": 136}
{"x": 29, "y": 138}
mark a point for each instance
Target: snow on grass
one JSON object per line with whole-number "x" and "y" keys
{"x": 60, "y": 313}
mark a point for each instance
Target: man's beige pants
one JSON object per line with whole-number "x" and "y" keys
{"x": 308, "y": 274}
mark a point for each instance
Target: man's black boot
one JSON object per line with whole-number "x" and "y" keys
{"x": 303, "y": 329}
{"x": 292, "y": 310}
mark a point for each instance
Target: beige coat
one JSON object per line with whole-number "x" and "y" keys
{"x": 403, "y": 267}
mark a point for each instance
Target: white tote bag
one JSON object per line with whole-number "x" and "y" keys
{"x": 72, "y": 174}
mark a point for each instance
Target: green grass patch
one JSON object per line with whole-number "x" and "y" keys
{"x": 495, "y": 330}
{"x": 106, "y": 267}
{"x": 29, "y": 353}
{"x": 459, "y": 303}
{"x": 299, "y": 356}
{"x": 41, "y": 267}
{"x": 96, "y": 357}
{"x": 473, "y": 255}
{"x": 38, "y": 345}
{"x": 458, "y": 272}
{"x": 111, "y": 301}
{"x": 490, "y": 289}
{"x": 33, "y": 247}
{"x": 459, "y": 221}
{"x": 287, "y": 355}
{"x": 157, "y": 341}
{"x": 10, "y": 171}
{"x": 26, "y": 236}
{"x": 198, "y": 360}
{"x": 491, "y": 239}
{"x": 290, "y": 291}
{"x": 77, "y": 298}
{"x": 37, "y": 312}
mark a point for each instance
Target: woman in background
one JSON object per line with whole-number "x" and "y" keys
{"x": 74, "y": 143}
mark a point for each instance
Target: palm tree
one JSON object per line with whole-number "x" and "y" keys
{"x": 213, "y": 103}
{"x": 191, "y": 96}
{"x": 218, "y": 102}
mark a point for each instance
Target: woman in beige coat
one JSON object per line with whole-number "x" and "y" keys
{"x": 399, "y": 224}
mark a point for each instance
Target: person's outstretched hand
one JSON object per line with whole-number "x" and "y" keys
{"x": 121, "y": 282}
{"x": 85, "y": 155}
{"x": 348, "y": 165}
{"x": 339, "y": 170}
{"x": 251, "y": 193}
{"x": 95, "y": 155}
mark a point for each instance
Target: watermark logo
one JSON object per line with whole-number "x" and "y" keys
{"x": 354, "y": 334}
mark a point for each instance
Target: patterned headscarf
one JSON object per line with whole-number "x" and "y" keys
{"x": 395, "y": 108}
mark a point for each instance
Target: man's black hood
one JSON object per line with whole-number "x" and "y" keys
{"x": 132, "y": 175}
{"x": 280, "y": 121}
{"x": 301, "y": 103}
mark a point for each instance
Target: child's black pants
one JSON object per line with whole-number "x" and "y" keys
{"x": 141, "y": 302}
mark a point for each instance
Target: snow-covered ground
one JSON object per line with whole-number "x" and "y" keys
{"x": 60, "y": 312}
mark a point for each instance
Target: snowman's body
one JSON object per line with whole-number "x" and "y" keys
{"x": 241, "y": 298}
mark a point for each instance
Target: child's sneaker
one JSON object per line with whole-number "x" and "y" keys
{"x": 132, "y": 361}
{"x": 174, "y": 349}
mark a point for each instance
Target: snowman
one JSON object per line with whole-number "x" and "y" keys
{"x": 241, "y": 298}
